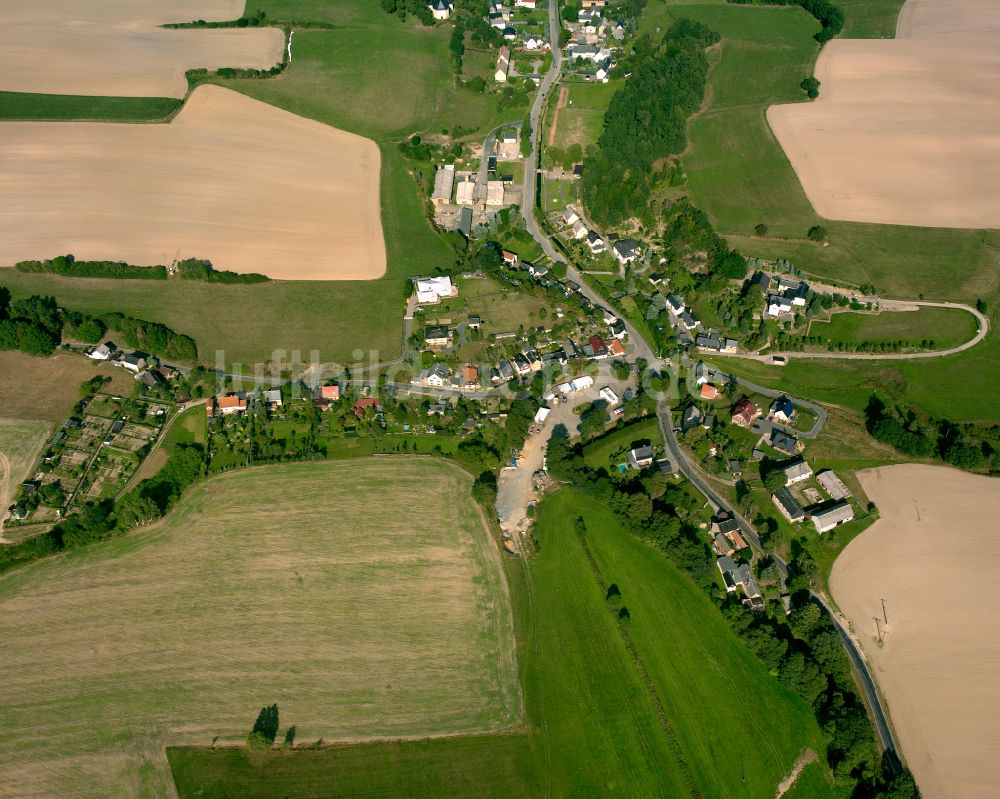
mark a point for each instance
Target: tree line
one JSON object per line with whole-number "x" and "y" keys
{"x": 187, "y": 269}
{"x": 36, "y": 325}
{"x": 974, "y": 448}
{"x": 646, "y": 121}
{"x": 104, "y": 519}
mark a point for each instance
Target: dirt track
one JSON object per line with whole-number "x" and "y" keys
{"x": 117, "y": 47}
{"x": 927, "y": 557}
{"x": 904, "y": 131}
{"x": 242, "y": 183}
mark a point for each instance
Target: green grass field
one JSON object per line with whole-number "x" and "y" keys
{"x": 364, "y": 597}
{"x": 948, "y": 327}
{"x": 581, "y": 120}
{"x": 61, "y": 107}
{"x": 21, "y": 442}
{"x": 608, "y": 451}
{"x": 592, "y": 727}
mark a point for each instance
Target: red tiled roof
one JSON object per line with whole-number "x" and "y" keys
{"x": 616, "y": 347}
{"x": 231, "y": 401}
{"x": 330, "y": 392}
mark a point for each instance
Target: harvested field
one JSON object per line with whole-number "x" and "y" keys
{"x": 21, "y": 442}
{"x": 904, "y": 131}
{"x": 48, "y": 388}
{"x": 117, "y": 47}
{"x": 246, "y": 185}
{"x": 928, "y": 557}
{"x": 365, "y": 598}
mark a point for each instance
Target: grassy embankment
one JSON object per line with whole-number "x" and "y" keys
{"x": 593, "y": 725}
{"x": 334, "y": 78}
{"x": 947, "y": 327}
{"x": 281, "y": 576}
{"x": 739, "y": 174}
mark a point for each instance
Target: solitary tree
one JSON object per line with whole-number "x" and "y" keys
{"x": 760, "y": 230}
{"x": 817, "y": 233}
{"x": 775, "y": 480}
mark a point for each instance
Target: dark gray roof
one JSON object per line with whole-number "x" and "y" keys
{"x": 783, "y": 441}
{"x": 784, "y": 498}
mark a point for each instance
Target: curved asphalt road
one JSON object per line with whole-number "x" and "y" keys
{"x": 882, "y": 726}
{"x": 982, "y": 329}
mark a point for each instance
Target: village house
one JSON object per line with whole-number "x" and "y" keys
{"x": 273, "y": 398}
{"x": 134, "y": 362}
{"x": 470, "y": 378}
{"x": 437, "y": 336}
{"x": 440, "y": 9}
{"x": 796, "y": 472}
{"x": 227, "y": 405}
{"x": 509, "y": 258}
{"x": 759, "y": 280}
{"x": 580, "y": 383}
{"x": 328, "y": 395}
{"x": 503, "y": 65}
{"x": 102, "y": 352}
{"x": 438, "y": 375}
{"x": 641, "y": 457}
{"x": 691, "y": 418}
{"x": 570, "y": 216}
{"x": 708, "y": 391}
{"x": 783, "y": 442}
{"x": 688, "y": 321}
{"x": 580, "y": 230}
{"x": 616, "y": 348}
{"x": 595, "y": 348}
{"x": 675, "y": 304}
{"x": 830, "y": 515}
{"x": 782, "y": 409}
{"x": 625, "y": 251}
{"x": 431, "y": 290}
{"x": 788, "y": 505}
{"x": 444, "y": 181}
{"x": 363, "y": 404}
{"x": 604, "y": 70}
{"x": 744, "y": 412}
{"x": 595, "y": 243}
{"x": 778, "y": 305}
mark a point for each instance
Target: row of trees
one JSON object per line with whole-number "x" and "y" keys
{"x": 188, "y": 269}
{"x": 646, "y": 121}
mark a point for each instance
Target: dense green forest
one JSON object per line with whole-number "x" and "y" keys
{"x": 646, "y": 121}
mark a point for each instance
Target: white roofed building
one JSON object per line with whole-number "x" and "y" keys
{"x": 435, "y": 289}
{"x": 444, "y": 181}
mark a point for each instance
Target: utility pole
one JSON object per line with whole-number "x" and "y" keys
{"x": 884, "y": 617}
{"x": 877, "y": 629}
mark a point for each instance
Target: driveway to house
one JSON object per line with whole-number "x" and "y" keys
{"x": 894, "y": 306}
{"x": 489, "y": 150}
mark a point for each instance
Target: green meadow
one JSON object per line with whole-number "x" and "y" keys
{"x": 662, "y": 716}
